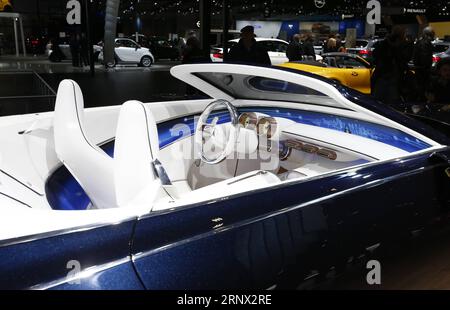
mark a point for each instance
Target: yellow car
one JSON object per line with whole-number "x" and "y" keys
{"x": 5, "y": 6}
{"x": 348, "y": 69}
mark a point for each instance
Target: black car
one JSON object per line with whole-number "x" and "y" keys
{"x": 364, "y": 48}
{"x": 163, "y": 49}
{"x": 160, "y": 47}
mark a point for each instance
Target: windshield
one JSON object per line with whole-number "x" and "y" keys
{"x": 242, "y": 86}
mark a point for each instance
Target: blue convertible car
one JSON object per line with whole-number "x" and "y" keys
{"x": 278, "y": 177}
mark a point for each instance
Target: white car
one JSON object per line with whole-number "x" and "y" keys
{"x": 275, "y": 47}
{"x": 128, "y": 51}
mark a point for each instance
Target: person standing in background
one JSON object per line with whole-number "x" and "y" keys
{"x": 294, "y": 51}
{"x": 84, "y": 51}
{"x": 439, "y": 90}
{"x": 75, "y": 49}
{"x": 308, "y": 46}
{"x": 391, "y": 63}
{"x": 1, "y": 44}
{"x": 247, "y": 51}
{"x": 423, "y": 60}
{"x": 193, "y": 53}
{"x": 340, "y": 47}
{"x": 331, "y": 46}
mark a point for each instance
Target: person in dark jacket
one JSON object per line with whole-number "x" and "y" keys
{"x": 247, "y": 51}
{"x": 193, "y": 52}
{"x": 56, "y": 53}
{"x": 84, "y": 51}
{"x": 75, "y": 49}
{"x": 391, "y": 64}
{"x": 308, "y": 47}
{"x": 423, "y": 60}
{"x": 339, "y": 45}
{"x": 295, "y": 49}
{"x": 439, "y": 90}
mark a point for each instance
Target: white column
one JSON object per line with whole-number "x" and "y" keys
{"x": 370, "y": 30}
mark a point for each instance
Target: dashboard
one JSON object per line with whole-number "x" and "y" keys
{"x": 269, "y": 132}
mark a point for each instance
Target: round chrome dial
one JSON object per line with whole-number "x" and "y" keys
{"x": 267, "y": 126}
{"x": 248, "y": 120}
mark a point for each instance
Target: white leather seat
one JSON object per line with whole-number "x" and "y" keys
{"x": 90, "y": 166}
{"x": 137, "y": 171}
{"x": 134, "y": 176}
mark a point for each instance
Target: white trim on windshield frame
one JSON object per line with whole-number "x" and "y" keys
{"x": 186, "y": 73}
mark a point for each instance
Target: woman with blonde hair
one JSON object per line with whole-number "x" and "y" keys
{"x": 331, "y": 45}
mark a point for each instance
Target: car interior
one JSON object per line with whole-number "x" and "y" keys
{"x": 230, "y": 152}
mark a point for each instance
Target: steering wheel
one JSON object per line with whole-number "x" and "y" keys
{"x": 207, "y": 134}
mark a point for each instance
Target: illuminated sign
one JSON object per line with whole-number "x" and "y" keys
{"x": 344, "y": 16}
{"x": 415, "y": 11}
{"x": 374, "y": 15}
{"x": 74, "y": 15}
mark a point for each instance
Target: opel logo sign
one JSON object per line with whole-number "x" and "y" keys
{"x": 319, "y": 3}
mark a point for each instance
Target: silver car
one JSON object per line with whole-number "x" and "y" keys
{"x": 364, "y": 48}
{"x": 441, "y": 50}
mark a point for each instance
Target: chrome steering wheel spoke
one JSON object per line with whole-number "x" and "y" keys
{"x": 206, "y": 132}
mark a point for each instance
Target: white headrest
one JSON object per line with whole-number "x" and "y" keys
{"x": 135, "y": 149}
{"x": 90, "y": 166}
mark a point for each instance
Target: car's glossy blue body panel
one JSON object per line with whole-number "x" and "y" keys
{"x": 46, "y": 262}
{"x": 262, "y": 238}
{"x": 274, "y": 236}
{"x": 120, "y": 277}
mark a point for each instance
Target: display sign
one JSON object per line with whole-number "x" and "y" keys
{"x": 415, "y": 10}
{"x": 374, "y": 15}
{"x": 264, "y": 29}
{"x": 319, "y": 3}
{"x": 73, "y": 17}
{"x": 350, "y": 37}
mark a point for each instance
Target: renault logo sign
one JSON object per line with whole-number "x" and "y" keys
{"x": 319, "y": 3}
